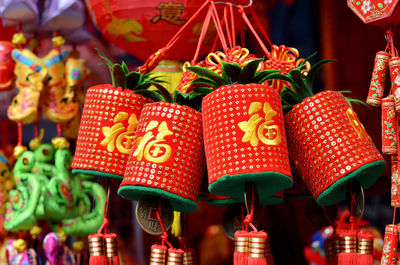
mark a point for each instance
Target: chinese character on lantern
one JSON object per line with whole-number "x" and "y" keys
{"x": 156, "y": 150}
{"x": 356, "y": 124}
{"x": 170, "y": 12}
{"x": 256, "y": 130}
{"x": 118, "y": 135}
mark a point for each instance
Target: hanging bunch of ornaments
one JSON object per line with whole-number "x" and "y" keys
{"x": 154, "y": 140}
{"x": 386, "y": 66}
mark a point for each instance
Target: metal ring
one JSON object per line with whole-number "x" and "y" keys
{"x": 246, "y": 6}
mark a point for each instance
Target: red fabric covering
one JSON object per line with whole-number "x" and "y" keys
{"x": 324, "y": 129}
{"x": 109, "y": 120}
{"x": 168, "y": 154}
{"x": 232, "y": 150}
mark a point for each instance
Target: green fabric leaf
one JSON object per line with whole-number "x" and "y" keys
{"x": 107, "y": 61}
{"x": 230, "y": 72}
{"x": 288, "y": 96}
{"x": 345, "y": 91}
{"x": 133, "y": 79}
{"x": 261, "y": 76}
{"x": 163, "y": 91}
{"x": 357, "y": 101}
{"x": 282, "y": 77}
{"x": 206, "y": 73}
{"x": 204, "y": 81}
{"x": 248, "y": 72}
{"x": 203, "y": 90}
{"x": 314, "y": 70}
{"x": 125, "y": 67}
{"x": 151, "y": 94}
{"x": 119, "y": 78}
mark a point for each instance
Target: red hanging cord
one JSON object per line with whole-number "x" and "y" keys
{"x": 258, "y": 22}
{"x": 19, "y": 134}
{"x": 232, "y": 23}
{"x": 389, "y": 37}
{"x": 106, "y": 221}
{"x": 202, "y": 34}
{"x": 218, "y": 26}
{"x": 58, "y": 129}
{"x": 248, "y": 220}
{"x": 225, "y": 21}
{"x": 179, "y": 33}
{"x": 164, "y": 236}
{"x": 245, "y": 18}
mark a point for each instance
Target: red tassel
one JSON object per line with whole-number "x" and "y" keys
{"x": 175, "y": 256}
{"x": 189, "y": 257}
{"x": 270, "y": 256}
{"x": 257, "y": 248}
{"x": 348, "y": 248}
{"x": 365, "y": 248}
{"x": 240, "y": 253}
{"x": 157, "y": 255}
{"x": 332, "y": 249}
{"x": 111, "y": 249}
{"x": 96, "y": 250}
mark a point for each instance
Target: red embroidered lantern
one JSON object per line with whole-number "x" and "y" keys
{"x": 245, "y": 141}
{"x": 142, "y": 27}
{"x": 7, "y": 65}
{"x": 106, "y": 132}
{"x": 376, "y": 12}
{"x": 168, "y": 158}
{"x": 377, "y": 85}
{"x": 389, "y": 140}
{"x": 330, "y": 146}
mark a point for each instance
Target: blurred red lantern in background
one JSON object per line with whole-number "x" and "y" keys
{"x": 6, "y": 65}
{"x": 141, "y": 27}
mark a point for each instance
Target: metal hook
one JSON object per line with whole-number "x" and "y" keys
{"x": 245, "y": 6}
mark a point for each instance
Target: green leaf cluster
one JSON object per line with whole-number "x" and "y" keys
{"x": 139, "y": 83}
{"x": 231, "y": 73}
{"x": 301, "y": 83}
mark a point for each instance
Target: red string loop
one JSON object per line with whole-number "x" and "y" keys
{"x": 250, "y": 26}
{"x": 164, "y": 236}
{"x": 202, "y": 35}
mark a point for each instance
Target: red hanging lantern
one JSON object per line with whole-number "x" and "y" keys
{"x": 142, "y": 27}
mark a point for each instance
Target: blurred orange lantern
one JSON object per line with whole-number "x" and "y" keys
{"x": 142, "y": 27}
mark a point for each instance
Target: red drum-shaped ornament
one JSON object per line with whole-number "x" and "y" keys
{"x": 394, "y": 68}
{"x": 6, "y": 65}
{"x": 167, "y": 159}
{"x": 395, "y": 198}
{"x": 376, "y": 12}
{"x": 106, "y": 132}
{"x": 330, "y": 147}
{"x": 389, "y": 138}
{"x": 390, "y": 242}
{"x": 245, "y": 141}
{"x": 142, "y": 27}
{"x": 377, "y": 85}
